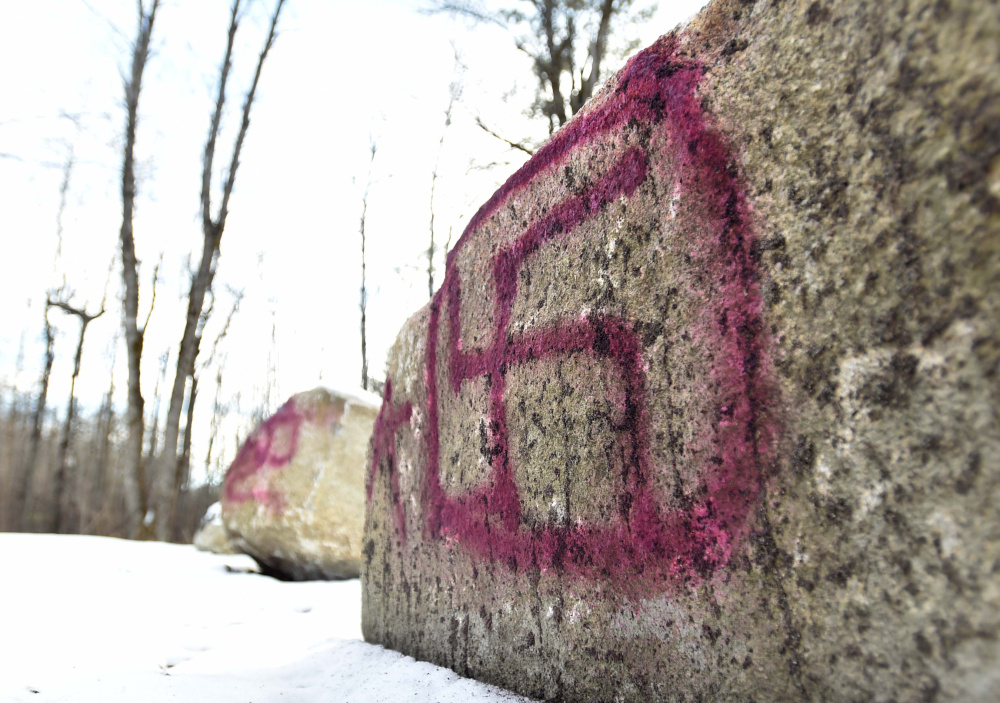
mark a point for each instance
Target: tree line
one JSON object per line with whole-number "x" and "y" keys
{"x": 119, "y": 471}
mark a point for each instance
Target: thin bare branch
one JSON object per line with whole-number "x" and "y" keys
{"x": 60, "y": 517}
{"x": 206, "y": 313}
{"x": 213, "y": 434}
{"x": 111, "y": 25}
{"x": 245, "y": 125}
{"x": 63, "y": 192}
{"x": 237, "y": 299}
{"x": 37, "y": 420}
{"x": 475, "y": 166}
{"x": 596, "y": 54}
{"x": 454, "y": 95}
{"x": 513, "y": 145}
{"x": 466, "y": 9}
{"x": 152, "y": 296}
{"x": 566, "y": 40}
{"x": 85, "y": 317}
{"x": 213, "y": 130}
{"x": 107, "y": 280}
{"x": 363, "y": 304}
{"x": 170, "y": 472}
{"x": 134, "y": 488}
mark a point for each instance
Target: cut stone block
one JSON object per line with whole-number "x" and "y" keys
{"x": 706, "y": 407}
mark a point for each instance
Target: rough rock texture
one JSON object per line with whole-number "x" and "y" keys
{"x": 294, "y": 497}
{"x": 707, "y": 405}
{"x": 211, "y": 535}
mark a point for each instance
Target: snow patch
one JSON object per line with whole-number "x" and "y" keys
{"x": 101, "y": 620}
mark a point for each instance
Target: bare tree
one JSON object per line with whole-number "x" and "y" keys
{"x": 519, "y": 146}
{"x": 363, "y": 303}
{"x": 30, "y": 467}
{"x": 224, "y": 332}
{"x": 169, "y": 467}
{"x": 183, "y": 477}
{"x": 64, "y": 192}
{"x": 567, "y": 41}
{"x": 58, "y": 522}
{"x": 217, "y": 412}
{"x": 37, "y": 419}
{"x": 133, "y": 476}
{"x": 217, "y": 407}
{"x": 105, "y": 484}
{"x": 154, "y": 416}
{"x": 454, "y": 95}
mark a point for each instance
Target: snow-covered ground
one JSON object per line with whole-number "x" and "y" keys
{"x": 98, "y": 620}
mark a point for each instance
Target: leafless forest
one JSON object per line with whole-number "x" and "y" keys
{"x": 128, "y": 470}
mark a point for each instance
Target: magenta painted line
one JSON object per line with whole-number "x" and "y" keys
{"x": 648, "y": 544}
{"x": 652, "y": 79}
{"x": 261, "y": 451}
{"x": 390, "y": 418}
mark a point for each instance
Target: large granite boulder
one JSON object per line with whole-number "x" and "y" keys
{"x": 707, "y": 405}
{"x": 294, "y": 497}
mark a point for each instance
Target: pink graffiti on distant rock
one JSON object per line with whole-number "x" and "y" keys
{"x": 270, "y": 447}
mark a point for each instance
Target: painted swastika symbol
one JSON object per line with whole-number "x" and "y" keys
{"x": 658, "y": 88}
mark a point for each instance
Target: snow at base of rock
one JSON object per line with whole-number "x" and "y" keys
{"x": 100, "y": 620}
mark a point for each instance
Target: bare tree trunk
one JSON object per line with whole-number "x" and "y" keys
{"x": 597, "y": 49}
{"x": 168, "y": 467}
{"x": 188, "y": 424}
{"x": 10, "y": 466}
{"x": 363, "y": 304}
{"x": 213, "y": 434}
{"x": 101, "y": 492}
{"x": 430, "y": 249}
{"x": 271, "y": 386}
{"x": 106, "y": 490}
{"x": 183, "y": 477}
{"x": 454, "y": 94}
{"x": 552, "y": 69}
{"x": 217, "y": 402}
{"x": 154, "y": 417}
{"x": 520, "y": 146}
{"x": 106, "y": 423}
{"x": 35, "y": 438}
{"x": 556, "y": 31}
{"x": 59, "y": 519}
{"x": 134, "y": 480}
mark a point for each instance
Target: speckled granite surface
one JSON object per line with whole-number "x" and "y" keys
{"x": 707, "y": 406}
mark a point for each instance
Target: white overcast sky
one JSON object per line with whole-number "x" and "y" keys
{"x": 340, "y": 72}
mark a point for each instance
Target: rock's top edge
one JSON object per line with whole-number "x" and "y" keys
{"x": 353, "y": 396}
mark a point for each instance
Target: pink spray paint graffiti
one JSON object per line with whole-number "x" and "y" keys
{"x": 390, "y": 419}
{"x": 647, "y": 540}
{"x": 270, "y": 447}
{"x": 274, "y": 445}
